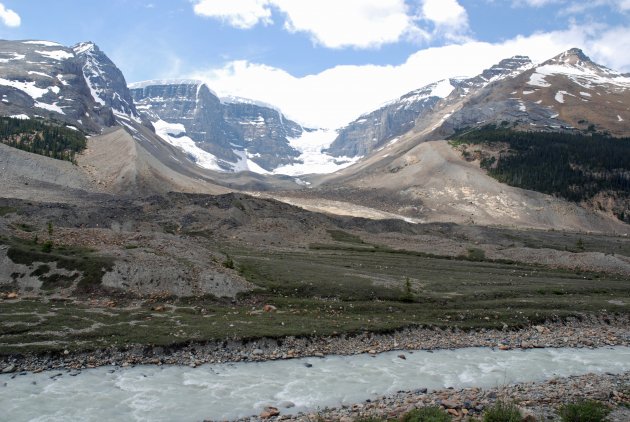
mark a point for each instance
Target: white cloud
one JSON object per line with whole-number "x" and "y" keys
{"x": 9, "y": 17}
{"x": 340, "y": 94}
{"x": 356, "y": 23}
{"x": 445, "y": 13}
{"x": 346, "y": 23}
{"x": 241, "y": 14}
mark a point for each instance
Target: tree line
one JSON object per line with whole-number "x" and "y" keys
{"x": 574, "y": 166}
{"x": 42, "y": 137}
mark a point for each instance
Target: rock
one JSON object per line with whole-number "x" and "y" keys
{"x": 449, "y": 404}
{"x": 308, "y": 365}
{"x": 453, "y": 412}
{"x": 403, "y": 357}
{"x": 287, "y": 404}
{"x": 12, "y": 295}
{"x": 269, "y": 308}
{"x": 269, "y": 412}
{"x": 257, "y": 352}
{"x": 9, "y": 369}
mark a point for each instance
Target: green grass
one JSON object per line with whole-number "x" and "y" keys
{"x": 502, "y": 412}
{"x": 584, "y": 411}
{"x": 92, "y": 267}
{"x": 426, "y": 414}
{"x": 317, "y": 292}
{"x": 4, "y": 211}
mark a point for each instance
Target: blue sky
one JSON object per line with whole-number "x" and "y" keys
{"x": 303, "y": 55}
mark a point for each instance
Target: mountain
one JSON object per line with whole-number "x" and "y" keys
{"x": 423, "y": 177}
{"x": 106, "y": 82}
{"x": 78, "y": 86}
{"x": 567, "y": 92}
{"x": 231, "y": 135}
{"x": 372, "y": 130}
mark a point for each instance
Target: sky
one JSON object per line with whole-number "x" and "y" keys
{"x": 323, "y": 62}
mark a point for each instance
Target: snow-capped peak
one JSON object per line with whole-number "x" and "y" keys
{"x": 578, "y": 67}
{"x": 84, "y": 47}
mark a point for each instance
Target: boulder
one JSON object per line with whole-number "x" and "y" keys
{"x": 269, "y": 412}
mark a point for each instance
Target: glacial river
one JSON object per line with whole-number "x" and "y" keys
{"x": 227, "y": 391}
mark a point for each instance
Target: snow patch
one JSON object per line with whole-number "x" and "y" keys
{"x": 619, "y": 118}
{"x": 60, "y": 79}
{"x": 32, "y": 72}
{"x": 314, "y": 159}
{"x": 20, "y": 116}
{"x": 56, "y": 54}
{"x": 13, "y": 56}
{"x": 50, "y": 107}
{"x": 528, "y": 92}
{"x": 245, "y": 164}
{"x": 538, "y": 79}
{"x": 560, "y": 96}
{"x": 585, "y": 94}
{"x": 29, "y": 87}
{"x": 585, "y": 76}
{"x": 44, "y": 43}
{"x": 172, "y": 133}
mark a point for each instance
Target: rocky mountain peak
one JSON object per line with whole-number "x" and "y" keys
{"x": 84, "y": 47}
{"x": 106, "y": 82}
{"x": 573, "y": 56}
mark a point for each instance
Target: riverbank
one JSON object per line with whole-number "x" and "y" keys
{"x": 592, "y": 331}
{"x": 538, "y": 401}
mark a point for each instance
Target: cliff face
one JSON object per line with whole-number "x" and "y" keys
{"x": 234, "y": 132}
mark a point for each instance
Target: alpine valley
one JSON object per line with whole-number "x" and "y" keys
{"x": 159, "y": 215}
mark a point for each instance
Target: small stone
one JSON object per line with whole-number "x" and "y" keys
{"x": 287, "y": 404}
{"x": 453, "y": 412}
{"x": 257, "y": 352}
{"x": 403, "y": 357}
{"x": 12, "y": 295}
{"x": 66, "y": 352}
{"x": 269, "y": 308}
{"x": 9, "y": 369}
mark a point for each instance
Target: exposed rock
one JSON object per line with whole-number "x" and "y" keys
{"x": 233, "y": 131}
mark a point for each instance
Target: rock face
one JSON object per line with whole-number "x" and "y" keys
{"x": 106, "y": 82}
{"x": 567, "y": 92}
{"x": 239, "y": 135}
{"x": 78, "y": 86}
{"x": 374, "y": 129}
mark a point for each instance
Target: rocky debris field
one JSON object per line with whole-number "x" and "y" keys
{"x": 591, "y": 332}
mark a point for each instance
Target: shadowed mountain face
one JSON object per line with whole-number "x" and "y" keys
{"x": 375, "y": 129}
{"x": 239, "y": 135}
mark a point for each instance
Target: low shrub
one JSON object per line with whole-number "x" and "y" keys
{"x": 584, "y": 411}
{"x": 502, "y": 412}
{"x": 426, "y": 414}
